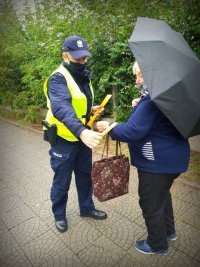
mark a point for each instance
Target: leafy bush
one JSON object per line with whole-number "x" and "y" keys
{"x": 6, "y": 97}
{"x": 21, "y": 100}
{"x": 34, "y": 114}
{"x": 31, "y": 41}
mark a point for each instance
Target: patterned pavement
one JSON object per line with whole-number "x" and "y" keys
{"x": 27, "y": 233}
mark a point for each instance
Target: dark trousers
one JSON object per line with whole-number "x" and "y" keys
{"x": 156, "y": 204}
{"x": 67, "y": 157}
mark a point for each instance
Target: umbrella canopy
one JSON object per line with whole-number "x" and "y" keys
{"x": 171, "y": 72}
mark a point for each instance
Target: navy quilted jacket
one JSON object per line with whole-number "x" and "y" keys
{"x": 154, "y": 143}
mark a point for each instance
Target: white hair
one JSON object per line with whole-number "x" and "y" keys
{"x": 136, "y": 67}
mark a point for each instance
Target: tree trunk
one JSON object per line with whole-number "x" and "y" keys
{"x": 115, "y": 100}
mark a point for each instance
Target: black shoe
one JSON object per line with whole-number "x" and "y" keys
{"x": 61, "y": 226}
{"x": 95, "y": 214}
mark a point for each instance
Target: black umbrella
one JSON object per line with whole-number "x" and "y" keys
{"x": 171, "y": 72}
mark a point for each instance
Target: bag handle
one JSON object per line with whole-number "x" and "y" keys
{"x": 106, "y": 146}
{"x": 118, "y": 146}
{"x": 118, "y": 150}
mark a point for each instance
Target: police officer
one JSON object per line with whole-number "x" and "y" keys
{"x": 70, "y": 102}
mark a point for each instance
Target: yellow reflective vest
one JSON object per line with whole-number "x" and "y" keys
{"x": 79, "y": 103}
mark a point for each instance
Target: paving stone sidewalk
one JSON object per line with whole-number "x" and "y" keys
{"x": 27, "y": 233}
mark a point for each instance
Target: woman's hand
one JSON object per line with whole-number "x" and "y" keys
{"x": 102, "y": 125}
{"x": 135, "y": 101}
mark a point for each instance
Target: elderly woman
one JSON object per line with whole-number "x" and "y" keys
{"x": 160, "y": 154}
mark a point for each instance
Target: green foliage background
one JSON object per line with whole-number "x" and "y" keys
{"x": 31, "y": 42}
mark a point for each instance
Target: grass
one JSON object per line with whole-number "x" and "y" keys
{"x": 18, "y": 118}
{"x": 193, "y": 172}
{"x": 9, "y": 115}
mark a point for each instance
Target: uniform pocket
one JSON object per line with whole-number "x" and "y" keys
{"x": 58, "y": 159}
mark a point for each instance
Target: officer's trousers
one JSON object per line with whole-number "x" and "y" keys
{"x": 156, "y": 204}
{"x": 67, "y": 157}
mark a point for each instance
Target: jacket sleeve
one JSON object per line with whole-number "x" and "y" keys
{"x": 61, "y": 104}
{"x": 145, "y": 116}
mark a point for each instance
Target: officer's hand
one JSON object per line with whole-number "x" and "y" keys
{"x": 90, "y": 138}
{"x": 97, "y": 108}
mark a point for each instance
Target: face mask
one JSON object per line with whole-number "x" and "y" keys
{"x": 77, "y": 66}
{"x": 80, "y": 71}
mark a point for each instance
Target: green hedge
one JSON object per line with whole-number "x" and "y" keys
{"x": 31, "y": 41}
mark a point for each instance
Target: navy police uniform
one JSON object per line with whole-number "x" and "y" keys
{"x": 68, "y": 91}
{"x": 67, "y": 156}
